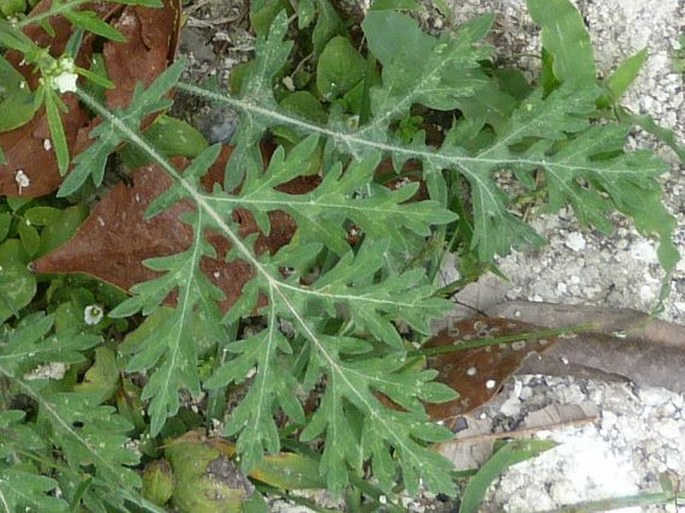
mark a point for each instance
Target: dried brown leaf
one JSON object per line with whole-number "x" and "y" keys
{"x": 28, "y": 149}
{"x": 116, "y": 238}
{"x": 478, "y": 374}
{"x": 152, "y": 41}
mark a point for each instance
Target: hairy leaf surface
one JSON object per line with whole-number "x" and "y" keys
{"x": 89, "y": 436}
{"x": 336, "y": 309}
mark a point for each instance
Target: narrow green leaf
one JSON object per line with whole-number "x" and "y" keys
{"x": 508, "y": 455}
{"x": 47, "y": 27}
{"x": 11, "y": 37}
{"x": 90, "y": 21}
{"x": 566, "y": 40}
{"x": 59, "y": 139}
{"x": 625, "y": 74}
{"x": 74, "y": 43}
{"x": 96, "y": 79}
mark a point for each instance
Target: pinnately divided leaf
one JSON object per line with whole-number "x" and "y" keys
{"x": 372, "y": 307}
{"x": 171, "y": 348}
{"x": 24, "y": 491}
{"x": 88, "y": 435}
{"x": 540, "y": 127}
{"x": 91, "y": 162}
{"x": 382, "y": 429}
{"x": 345, "y": 194}
{"x": 328, "y": 353}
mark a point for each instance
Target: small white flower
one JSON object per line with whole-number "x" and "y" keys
{"x": 21, "y": 179}
{"x": 61, "y": 75}
{"x": 65, "y": 82}
{"x": 92, "y": 314}
{"x": 47, "y": 144}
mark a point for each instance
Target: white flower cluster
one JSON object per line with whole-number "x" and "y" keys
{"x": 61, "y": 75}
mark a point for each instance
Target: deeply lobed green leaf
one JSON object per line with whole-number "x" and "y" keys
{"x": 90, "y": 438}
{"x": 343, "y": 320}
{"x": 331, "y": 308}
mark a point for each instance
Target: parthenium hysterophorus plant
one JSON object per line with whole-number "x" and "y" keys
{"x": 330, "y": 305}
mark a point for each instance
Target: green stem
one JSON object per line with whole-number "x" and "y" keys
{"x": 463, "y": 345}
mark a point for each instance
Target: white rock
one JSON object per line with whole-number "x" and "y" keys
{"x": 575, "y": 242}
{"x": 609, "y": 419}
{"x": 678, "y": 400}
{"x": 563, "y": 492}
{"x": 669, "y": 428}
{"x": 653, "y": 396}
{"x": 511, "y": 407}
{"x": 647, "y": 293}
{"x": 644, "y": 250}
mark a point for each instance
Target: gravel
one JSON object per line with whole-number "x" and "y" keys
{"x": 638, "y": 436}
{"x": 581, "y": 265}
{"x": 640, "y": 432}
